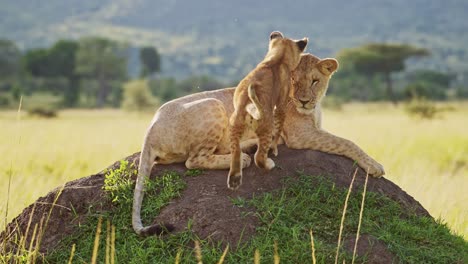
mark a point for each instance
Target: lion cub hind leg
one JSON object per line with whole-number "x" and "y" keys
{"x": 279, "y": 117}
{"x": 236, "y": 130}
{"x": 264, "y": 134}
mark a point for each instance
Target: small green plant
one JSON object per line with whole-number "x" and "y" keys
{"x": 118, "y": 183}
{"x": 193, "y": 172}
{"x": 422, "y": 108}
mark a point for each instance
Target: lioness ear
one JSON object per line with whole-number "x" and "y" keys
{"x": 302, "y": 43}
{"x": 327, "y": 66}
{"x": 276, "y": 34}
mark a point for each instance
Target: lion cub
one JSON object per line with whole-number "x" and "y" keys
{"x": 255, "y": 99}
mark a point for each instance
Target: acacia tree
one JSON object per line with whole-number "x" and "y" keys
{"x": 102, "y": 60}
{"x": 150, "y": 61}
{"x": 380, "y": 58}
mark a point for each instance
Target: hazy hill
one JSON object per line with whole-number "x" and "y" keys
{"x": 228, "y": 37}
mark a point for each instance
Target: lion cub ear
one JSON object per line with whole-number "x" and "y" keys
{"x": 276, "y": 34}
{"x": 327, "y": 66}
{"x": 302, "y": 43}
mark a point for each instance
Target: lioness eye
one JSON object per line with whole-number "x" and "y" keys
{"x": 314, "y": 82}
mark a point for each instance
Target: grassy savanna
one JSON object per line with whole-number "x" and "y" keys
{"x": 427, "y": 158}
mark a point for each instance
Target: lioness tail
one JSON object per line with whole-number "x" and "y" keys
{"x": 147, "y": 158}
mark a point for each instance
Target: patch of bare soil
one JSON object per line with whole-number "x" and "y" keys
{"x": 206, "y": 201}
{"x": 375, "y": 250}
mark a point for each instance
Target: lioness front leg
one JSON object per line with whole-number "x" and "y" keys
{"x": 214, "y": 162}
{"x": 323, "y": 141}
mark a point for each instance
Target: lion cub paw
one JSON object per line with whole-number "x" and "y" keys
{"x": 246, "y": 160}
{"x": 234, "y": 180}
{"x": 270, "y": 164}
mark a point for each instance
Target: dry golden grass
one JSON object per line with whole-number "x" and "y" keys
{"x": 45, "y": 153}
{"x": 427, "y": 158}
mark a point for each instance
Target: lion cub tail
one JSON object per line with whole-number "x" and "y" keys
{"x": 255, "y": 109}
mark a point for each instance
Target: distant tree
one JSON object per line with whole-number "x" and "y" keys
{"x": 36, "y": 62}
{"x": 62, "y": 58}
{"x": 9, "y": 59}
{"x": 58, "y": 61}
{"x": 379, "y": 58}
{"x": 103, "y": 60}
{"x": 150, "y": 60}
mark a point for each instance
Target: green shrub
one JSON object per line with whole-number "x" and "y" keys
{"x": 42, "y": 111}
{"x": 137, "y": 96}
{"x": 118, "y": 183}
{"x": 422, "y": 108}
{"x": 426, "y": 90}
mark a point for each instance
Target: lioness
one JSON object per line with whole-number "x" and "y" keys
{"x": 262, "y": 95}
{"x": 193, "y": 129}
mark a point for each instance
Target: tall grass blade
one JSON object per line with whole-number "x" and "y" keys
{"x": 360, "y": 216}
{"x": 108, "y": 242}
{"x": 113, "y": 244}
{"x": 96, "y": 241}
{"x": 257, "y": 257}
{"x": 23, "y": 245}
{"x": 32, "y": 242}
{"x": 43, "y": 228}
{"x": 221, "y": 260}
{"x": 38, "y": 238}
{"x": 177, "y": 257}
{"x": 276, "y": 257}
{"x": 344, "y": 216}
{"x": 72, "y": 254}
{"x": 198, "y": 253}
{"x": 312, "y": 246}
{"x": 18, "y": 249}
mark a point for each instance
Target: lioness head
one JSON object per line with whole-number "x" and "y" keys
{"x": 310, "y": 81}
{"x": 285, "y": 50}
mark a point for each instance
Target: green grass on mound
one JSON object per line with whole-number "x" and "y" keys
{"x": 286, "y": 218}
